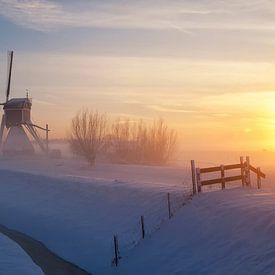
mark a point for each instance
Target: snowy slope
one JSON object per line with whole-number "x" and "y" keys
{"x": 14, "y": 261}
{"x": 225, "y": 232}
{"x": 77, "y": 219}
{"x": 75, "y": 210}
{"x": 77, "y": 169}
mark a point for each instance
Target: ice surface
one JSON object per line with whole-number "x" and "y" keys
{"x": 14, "y": 260}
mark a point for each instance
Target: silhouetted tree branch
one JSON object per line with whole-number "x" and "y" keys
{"x": 87, "y": 135}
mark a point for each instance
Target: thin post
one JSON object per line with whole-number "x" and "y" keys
{"x": 169, "y": 206}
{"x": 198, "y": 176}
{"x": 248, "y": 179}
{"x": 193, "y": 169}
{"x": 142, "y": 227}
{"x": 222, "y": 176}
{"x": 259, "y": 181}
{"x": 242, "y": 171}
{"x": 116, "y": 250}
{"x": 47, "y": 138}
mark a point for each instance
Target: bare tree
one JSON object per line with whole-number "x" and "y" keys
{"x": 120, "y": 139}
{"x": 88, "y": 134}
{"x": 138, "y": 142}
{"x": 161, "y": 142}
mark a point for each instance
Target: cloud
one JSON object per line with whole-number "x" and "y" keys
{"x": 183, "y": 16}
{"x": 170, "y": 108}
{"x": 44, "y": 102}
{"x": 34, "y": 14}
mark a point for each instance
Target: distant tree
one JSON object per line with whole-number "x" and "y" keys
{"x": 87, "y": 134}
{"x": 161, "y": 142}
{"x": 119, "y": 140}
{"x": 138, "y": 142}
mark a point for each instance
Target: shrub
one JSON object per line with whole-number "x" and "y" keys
{"x": 141, "y": 143}
{"x": 87, "y": 135}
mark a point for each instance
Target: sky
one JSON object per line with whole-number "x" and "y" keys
{"x": 206, "y": 67}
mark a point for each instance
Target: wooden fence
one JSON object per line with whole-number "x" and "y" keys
{"x": 244, "y": 168}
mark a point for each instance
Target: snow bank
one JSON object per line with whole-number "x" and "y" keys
{"x": 79, "y": 170}
{"x": 75, "y": 210}
{"x": 13, "y": 259}
{"x": 77, "y": 219}
{"x": 225, "y": 232}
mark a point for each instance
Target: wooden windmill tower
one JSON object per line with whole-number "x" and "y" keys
{"x": 16, "y": 121}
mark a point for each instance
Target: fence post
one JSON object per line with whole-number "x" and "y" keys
{"x": 116, "y": 250}
{"x": 47, "y": 138}
{"x": 169, "y": 205}
{"x": 142, "y": 227}
{"x": 198, "y": 175}
{"x": 247, "y": 171}
{"x": 242, "y": 171}
{"x": 193, "y": 169}
{"x": 222, "y": 176}
{"x": 259, "y": 183}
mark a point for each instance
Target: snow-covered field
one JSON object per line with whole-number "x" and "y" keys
{"x": 75, "y": 210}
{"x": 14, "y": 260}
{"x": 225, "y": 232}
{"x": 78, "y": 170}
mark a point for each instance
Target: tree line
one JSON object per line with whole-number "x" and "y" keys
{"x": 121, "y": 140}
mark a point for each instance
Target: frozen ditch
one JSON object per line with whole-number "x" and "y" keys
{"x": 49, "y": 262}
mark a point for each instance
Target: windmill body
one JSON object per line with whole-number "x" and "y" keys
{"x": 16, "y": 122}
{"x": 17, "y": 111}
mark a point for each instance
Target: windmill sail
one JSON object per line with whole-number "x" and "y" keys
{"x": 10, "y": 59}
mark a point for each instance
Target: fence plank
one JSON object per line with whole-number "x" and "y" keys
{"x": 247, "y": 172}
{"x": 219, "y": 180}
{"x": 198, "y": 176}
{"x": 218, "y": 168}
{"x": 245, "y": 176}
{"x": 222, "y": 176}
{"x": 259, "y": 183}
{"x": 116, "y": 250}
{"x": 255, "y": 170}
{"x": 193, "y": 169}
{"x": 142, "y": 227}
{"x": 242, "y": 170}
{"x": 232, "y": 166}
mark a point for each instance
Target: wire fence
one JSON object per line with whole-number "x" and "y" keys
{"x": 162, "y": 209}
{"x": 166, "y": 206}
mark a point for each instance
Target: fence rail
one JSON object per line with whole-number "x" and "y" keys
{"x": 220, "y": 180}
{"x": 244, "y": 176}
{"x": 218, "y": 168}
{"x": 257, "y": 171}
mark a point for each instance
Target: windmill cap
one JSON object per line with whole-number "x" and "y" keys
{"x": 18, "y": 103}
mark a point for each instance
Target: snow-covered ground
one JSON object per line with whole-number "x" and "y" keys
{"x": 14, "y": 260}
{"x": 79, "y": 170}
{"x": 76, "y": 216}
{"x": 75, "y": 210}
{"x": 225, "y": 232}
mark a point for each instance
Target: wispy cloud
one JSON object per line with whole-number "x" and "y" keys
{"x": 183, "y": 16}
{"x": 44, "y": 102}
{"x": 170, "y": 108}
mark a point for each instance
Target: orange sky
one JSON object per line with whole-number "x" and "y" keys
{"x": 214, "y": 104}
{"x": 207, "y": 67}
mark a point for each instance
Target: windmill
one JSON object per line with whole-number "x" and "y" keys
{"x": 16, "y": 121}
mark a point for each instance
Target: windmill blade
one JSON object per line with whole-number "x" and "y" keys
{"x": 10, "y": 59}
